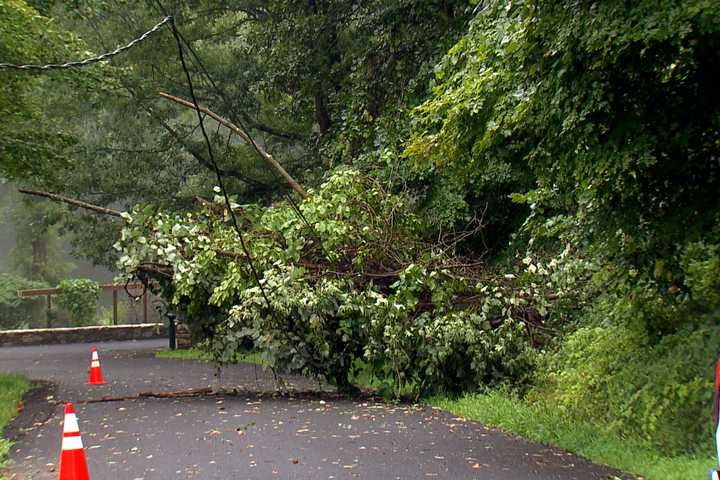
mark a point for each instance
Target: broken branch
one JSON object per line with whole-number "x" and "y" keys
{"x": 274, "y": 164}
{"x": 73, "y": 202}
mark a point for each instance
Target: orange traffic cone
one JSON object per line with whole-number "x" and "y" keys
{"x": 72, "y": 456}
{"x": 95, "y": 372}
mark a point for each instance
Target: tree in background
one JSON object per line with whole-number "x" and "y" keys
{"x": 30, "y": 145}
{"x": 38, "y": 254}
{"x": 33, "y": 145}
{"x": 19, "y": 312}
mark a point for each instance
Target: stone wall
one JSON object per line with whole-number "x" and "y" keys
{"x": 47, "y": 336}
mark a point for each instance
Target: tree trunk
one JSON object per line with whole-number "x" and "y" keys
{"x": 321, "y": 113}
{"x": 39, "y": 256}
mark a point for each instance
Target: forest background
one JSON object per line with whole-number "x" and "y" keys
{"x": 514, "y": 195}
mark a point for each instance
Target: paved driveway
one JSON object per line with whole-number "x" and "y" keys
{"x": 252, "y": 435}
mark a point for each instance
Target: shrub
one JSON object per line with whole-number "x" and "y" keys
{"x": 642, "y": 362}
{"x": 79, "y": 297}
{"x": 660, "y": 393}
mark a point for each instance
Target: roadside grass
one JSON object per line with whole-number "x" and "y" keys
{"x": 190, "y": 354}
{"x": 12, "y": 389}
{"x": 197, "y": 354}
{"x": 510, "y": 414}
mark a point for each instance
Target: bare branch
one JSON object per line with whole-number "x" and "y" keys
{"x": 76, "y": 203}
{"x": 246, "y": 137}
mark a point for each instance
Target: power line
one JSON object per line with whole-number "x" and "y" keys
{"x": 87, "y": 61}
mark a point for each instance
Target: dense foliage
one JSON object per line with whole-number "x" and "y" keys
{"x": 616, "y": 121}
{"x": 601, "y": 118}
{"x": 31, "y": 146}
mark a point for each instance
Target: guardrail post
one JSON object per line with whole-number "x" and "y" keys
{"x": 145, "y": 306}
{"x": 115, "y": 307}
{"x": 172, "y": 336}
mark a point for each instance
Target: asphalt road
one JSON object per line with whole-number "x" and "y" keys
{"x": 251, "y": 435}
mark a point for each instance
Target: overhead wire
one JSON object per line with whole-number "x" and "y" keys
{"x": 91, "y": 60}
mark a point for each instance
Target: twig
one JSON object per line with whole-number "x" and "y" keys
{"x": 180, "y": 394}
{"x": 160, "y": 269}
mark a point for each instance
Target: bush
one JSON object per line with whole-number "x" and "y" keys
{"x": 19, "y": 312}
{"x": 642, "y": 362}
{"x": 105, "y": 315}
{"x": 660, "y": 393}
{"x": 79, "y": 297}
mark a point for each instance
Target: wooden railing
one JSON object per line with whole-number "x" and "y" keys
{"x": 114, "y": 287}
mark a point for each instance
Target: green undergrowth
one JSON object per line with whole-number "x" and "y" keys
{"x": 513, "y": 415}
{"x": 12, "y": 389}
{"x": 197, "y": 354}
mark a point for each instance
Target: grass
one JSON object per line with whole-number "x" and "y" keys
{"x": 196, "y": 354}
{"x": 12, "y": 389}
{"x": 508, "y": 413}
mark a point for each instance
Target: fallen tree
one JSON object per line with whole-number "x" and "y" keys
{"x": 350, "y": 283}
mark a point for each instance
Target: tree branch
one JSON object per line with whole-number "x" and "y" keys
{"x": 246, "y": 137}
{"x": 73, "y": 202}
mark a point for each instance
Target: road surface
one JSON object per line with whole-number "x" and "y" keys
{"x": 253, "y": 434}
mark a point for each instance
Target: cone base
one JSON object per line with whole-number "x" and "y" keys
{"x": 73, "y": 465}
{"x": 96, "y": 377}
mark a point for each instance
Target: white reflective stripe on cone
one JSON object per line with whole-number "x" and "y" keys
{"x": 94, "y": 364}
{"x": 72, "y": 443}
{"x": 71, "y": 424}
{"x": 95, "y": 356}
